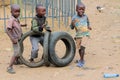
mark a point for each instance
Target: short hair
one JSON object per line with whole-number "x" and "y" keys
{"x": 15, "y": 6}
{"x": 38, "y": 5}
{"x": 80, "y": 4}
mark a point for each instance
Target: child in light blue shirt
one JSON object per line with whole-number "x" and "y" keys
{"x": 81, "y": 25}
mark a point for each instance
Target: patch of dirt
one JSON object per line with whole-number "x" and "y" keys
{"x": 102, "y": 52}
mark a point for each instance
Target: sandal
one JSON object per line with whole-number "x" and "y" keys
{"x": 80, "y": 63}
{"x": 10, "y": 70}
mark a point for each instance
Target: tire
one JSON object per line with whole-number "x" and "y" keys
{"x": 27, "y": 63}
{"x": 45, "y": 48}
{"x": 70, "y": 48}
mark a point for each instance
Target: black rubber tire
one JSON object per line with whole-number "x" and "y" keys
{"x": 70, "y": 48}
{"x": 27, "y": 63}
{"x": 45, "y": 48}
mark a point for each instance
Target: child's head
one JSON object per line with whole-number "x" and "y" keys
{"x": 15, "y": 10}
{"x": 40, "y": 10}
{"x": 80, "y": 8}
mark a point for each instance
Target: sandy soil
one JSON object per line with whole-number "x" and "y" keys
{"x": 102, "y": 53}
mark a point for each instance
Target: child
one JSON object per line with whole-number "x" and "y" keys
{"x": 38, "y": 23}
{"x": 81, "y": 24}
{"x": 14, "y": 32}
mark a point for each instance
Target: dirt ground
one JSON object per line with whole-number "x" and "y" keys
{"x": 102, "y": 53}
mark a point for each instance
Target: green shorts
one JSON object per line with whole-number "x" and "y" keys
{"x": 82, "y": 34}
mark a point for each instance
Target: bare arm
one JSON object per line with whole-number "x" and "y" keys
{"x": 47, "y": 28}
{"x": 23, "y": 25}
{"x": 88, "y": 24}
{"x": 72, "y": 25}
{"x": 9, "y": 33}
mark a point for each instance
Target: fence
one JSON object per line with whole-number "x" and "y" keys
{"x": 57, "y": 10}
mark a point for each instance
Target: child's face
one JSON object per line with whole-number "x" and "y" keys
{"x": 80, "y": 10}
{"x": 41, "y": 11}
{"x": 16, "y": 12}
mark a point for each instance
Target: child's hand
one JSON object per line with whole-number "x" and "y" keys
{"x": 23, "y": 25}
{"x": 43, "y": 25}
{"x": 89, "y": 28}
{"x": 40, "y": 28}
{"x": 74, "y": 22}
{"x": 74, "y": 38}
{"x": 15, "y": 41}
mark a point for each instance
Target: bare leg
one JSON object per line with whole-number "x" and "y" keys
{"x": 12, "y": 61}
{"x": 81, "y": 53}
{"x": 10, "y": 68}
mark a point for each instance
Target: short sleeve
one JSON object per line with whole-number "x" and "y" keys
{"x": 74, "y": 17}
{"x": 10, "y": 23}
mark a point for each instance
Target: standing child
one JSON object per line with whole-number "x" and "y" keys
{"x": 38, "y": 23}
{"x": 81, "y": 24}
{"x": 14, "y": 32}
